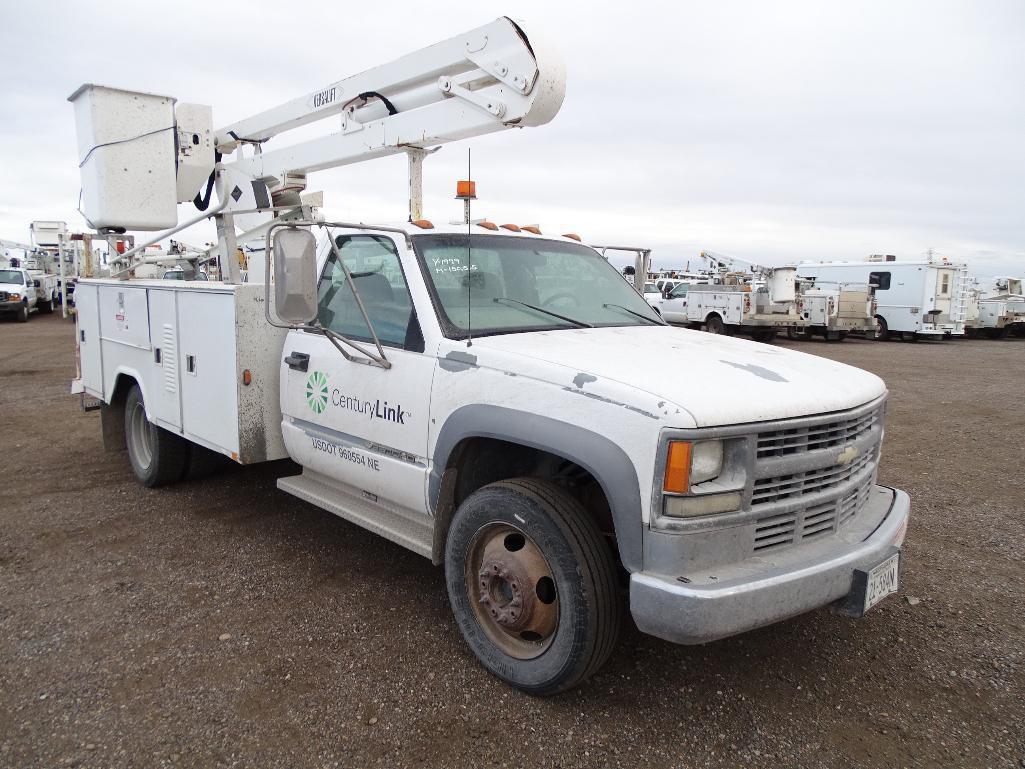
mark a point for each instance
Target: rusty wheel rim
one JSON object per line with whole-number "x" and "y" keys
{"x": 512, "y": 591}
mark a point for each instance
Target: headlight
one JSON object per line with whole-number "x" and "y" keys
{"x": 689, "y": 463}
{"x": 14, "y": 297}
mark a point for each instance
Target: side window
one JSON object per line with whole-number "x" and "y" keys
{"x": 374, "y": 265}
{"x": 881, "y": 280}
{"x": 680, "y": 291}
{"x": 944, "y": 284}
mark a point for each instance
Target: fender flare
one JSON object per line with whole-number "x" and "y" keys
{"x": 605, "y": 460}
{"x": 129, "y": 373}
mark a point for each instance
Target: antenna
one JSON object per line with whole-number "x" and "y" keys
{"x": 469, "y": 256}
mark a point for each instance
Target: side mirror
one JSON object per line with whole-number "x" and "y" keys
{"x": 35, "y": 284}
{"x": 295, "y": 276}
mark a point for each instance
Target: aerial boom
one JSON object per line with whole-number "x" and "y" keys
{"x": 488, "y": 79}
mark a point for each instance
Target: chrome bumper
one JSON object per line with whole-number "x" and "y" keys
{"x": 760, "y": 591}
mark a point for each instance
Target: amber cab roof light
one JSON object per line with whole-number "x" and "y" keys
{"x": 423, "y": 224}
{"x": 466, "y": 190}
{"x": 531, "y": 228}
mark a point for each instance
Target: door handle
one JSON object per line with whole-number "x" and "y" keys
{"x": 298, "y": 361}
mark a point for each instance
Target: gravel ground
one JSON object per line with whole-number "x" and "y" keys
{"x": 221, "y": 623}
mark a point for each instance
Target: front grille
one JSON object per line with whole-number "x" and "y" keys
{"x": 815, "y": 496}
{"x": 780, "y": 443}
{"x": 3, "y": 296}
{"x": 785, "y": 487}
{"x": 777, "y": 531}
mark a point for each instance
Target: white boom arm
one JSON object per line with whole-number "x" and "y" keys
{"x": 482, "y": 81}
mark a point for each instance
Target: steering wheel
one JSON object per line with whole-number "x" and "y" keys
{"x": 555, "y": 298}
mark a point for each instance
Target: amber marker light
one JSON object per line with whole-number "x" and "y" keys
{"x": 677, "y": 478}
{"x": 466, "y": 190}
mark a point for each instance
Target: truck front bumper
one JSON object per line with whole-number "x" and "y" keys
{"x": 760, "y": 591}
{"x": 11, "y": 306}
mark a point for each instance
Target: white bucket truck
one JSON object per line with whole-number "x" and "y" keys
{"x": 924, "y": 298}
{"x": 996, "y": 308}
{"x": 833, "y": 311}
{"x": 561, "y": 451}
{"x": 24, "y": 291}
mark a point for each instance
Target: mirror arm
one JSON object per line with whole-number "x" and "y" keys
{"x": 338, "y": 340}
{"x": 380, "y": 357}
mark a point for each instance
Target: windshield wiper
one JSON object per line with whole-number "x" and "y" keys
{"x": 637, "y": 314}
{"x": 577, "y": 323}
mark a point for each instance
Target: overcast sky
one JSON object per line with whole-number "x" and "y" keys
{"x": 770, "y": 131}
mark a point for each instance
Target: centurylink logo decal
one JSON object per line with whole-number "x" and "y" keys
{"x": 316, "y": 392}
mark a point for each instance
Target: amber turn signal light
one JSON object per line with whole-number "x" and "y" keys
{"x": 677, "y": 478}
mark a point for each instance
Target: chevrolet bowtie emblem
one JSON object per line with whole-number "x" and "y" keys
{"x": 847, "y": 455}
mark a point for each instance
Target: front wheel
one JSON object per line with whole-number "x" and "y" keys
{"x": 157, "y": 456}
{"x": 882, "y": 329}
{"x": 532, "y": 585}
{"x": 23, "y": 314}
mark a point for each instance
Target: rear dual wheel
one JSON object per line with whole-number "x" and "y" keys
{"x": 714, "y": 325}
{"x": 157, "y": 456}
{"x": 532, "y": 584}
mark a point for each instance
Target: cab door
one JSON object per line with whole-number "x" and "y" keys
{"x": 362, "y": 425}
{"x": 674, "y": 308}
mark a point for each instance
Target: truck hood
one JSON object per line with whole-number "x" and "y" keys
{"x": 718, "y": 380}
{"x": 12, "y": 287}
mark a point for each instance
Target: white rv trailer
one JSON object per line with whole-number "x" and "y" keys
{"x": 922, "y": 298}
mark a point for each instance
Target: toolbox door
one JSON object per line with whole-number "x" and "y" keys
{"x": 165, "y": 385}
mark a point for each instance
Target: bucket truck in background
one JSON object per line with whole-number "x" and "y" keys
{"x": 549, "y": 442}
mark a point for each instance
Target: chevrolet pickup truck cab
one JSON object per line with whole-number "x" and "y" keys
{"x": 506, "y": 404}
{"x": 25, "y": 291}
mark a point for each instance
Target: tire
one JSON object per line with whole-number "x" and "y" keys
{"x": 714, "y": 325}
{"x": 530, "y": 532}
{"x": 997, "y": 333}
{"x": 882, "y": 330}
{"x": 793, "y": 332}
{"x": 201, "y": 462}
{"x": 46, "y": 308}
{"x": 22, "y": 314}
{"x": 157, "y": 456}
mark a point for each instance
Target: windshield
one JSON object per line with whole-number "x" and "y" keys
{"x": 10, "y": 276}
{"x": 174, "y": 275}
{"x": 513, "y": 285}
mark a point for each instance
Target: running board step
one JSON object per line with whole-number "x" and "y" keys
{"x": 400, "y": 528}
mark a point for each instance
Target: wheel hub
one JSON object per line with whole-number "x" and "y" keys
{"x": 506, "y": 593}
{"x": 512, "y": 590}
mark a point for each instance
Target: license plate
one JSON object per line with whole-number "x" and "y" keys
{"x": 881, "y": 582}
